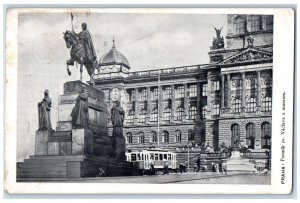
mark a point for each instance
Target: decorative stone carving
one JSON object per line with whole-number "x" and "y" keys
{"x": 248, "y": 55}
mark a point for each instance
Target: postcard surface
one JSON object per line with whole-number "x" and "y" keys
{"x": 125, "y": 101}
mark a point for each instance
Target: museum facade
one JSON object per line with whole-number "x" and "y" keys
{"x": 227, "y": 101}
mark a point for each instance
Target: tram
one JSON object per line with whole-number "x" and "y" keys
{"x": 157, "y": 156}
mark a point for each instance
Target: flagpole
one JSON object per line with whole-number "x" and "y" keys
{"x": 158, "y": 113}
{"x": 72, "y": 22}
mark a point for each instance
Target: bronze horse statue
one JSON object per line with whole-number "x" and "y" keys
{"x": 79, "y": 55}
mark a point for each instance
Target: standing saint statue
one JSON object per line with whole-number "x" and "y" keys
{"x": 86, "y": 39}
{"x": 80, "y": 113}
{"x": 44, "y": 108}
{"x": 117, "y": 119}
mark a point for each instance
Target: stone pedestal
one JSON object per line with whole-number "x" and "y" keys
{"x": 82, "y": 142}
{"x": 41, "y": 142}
{"x": 120, "y": 148}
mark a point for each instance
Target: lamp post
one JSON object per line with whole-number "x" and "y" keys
{"x": 188, "y": 145}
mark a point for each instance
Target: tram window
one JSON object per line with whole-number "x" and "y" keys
{"x": 169, "y": 156}
{"x": 152, "y": 156}
{"x": 133, "y": 157}
{"x": 138, "y": 156}
{"x": 156, "y": 156}
{"x": 165, "y": 156}
{"x": 160, "y": 157}
{"x": 143, "y": 157}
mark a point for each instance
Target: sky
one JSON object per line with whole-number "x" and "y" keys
{"x": 148, "y": 41}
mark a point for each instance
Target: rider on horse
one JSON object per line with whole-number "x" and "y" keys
{"x": 86, "y": 39}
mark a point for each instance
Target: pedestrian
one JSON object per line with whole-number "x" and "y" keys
{"x": 152, "y": 168}
{"x": 181, "y": 167}
{"x": 198, "y": 164}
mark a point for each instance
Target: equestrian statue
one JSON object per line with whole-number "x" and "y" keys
{"x": 82, "y": 51}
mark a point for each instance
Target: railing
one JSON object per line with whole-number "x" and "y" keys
{"x": 255, "y": 155}
{"x": 192, "y": 68}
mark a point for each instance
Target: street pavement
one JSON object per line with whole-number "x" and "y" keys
{"x": 185, "y": 178}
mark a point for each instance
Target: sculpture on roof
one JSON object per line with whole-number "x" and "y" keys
{"x": 218, "y": 42}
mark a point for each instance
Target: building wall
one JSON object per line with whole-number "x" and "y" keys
{"x": 225, "y": 129}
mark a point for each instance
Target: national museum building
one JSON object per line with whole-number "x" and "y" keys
{"x": 226, "y": 101}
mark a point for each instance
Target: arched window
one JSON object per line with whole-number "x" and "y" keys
{"x": 266, "y": 135}
{"x": 235, "y": 136}
{"x": 192, "y": 112}
{"x": 267, "y": 104}
{"x": 177, "y": 136}
{"x": 250, "y": 135}
{"x": 130, "y": 116}
{"x": 165, "y": 137}
{"x": 142, "y": 116}
{"x": 141, "y": 137}
{"x": 237, "y": 105}
{"x": 167, "y": 114}
{"x": 153, "y": 137}
{"x": 240, "y": 25}
{"x": 129, "y": 138}
{"x": 254, "y": 23}
{"x": 179, "y": 113}
{"x": 251, "y": 104}
{"x": 191, "y": 135}
{"x": 153, "y": 115}
{"x": 204, "y": 111}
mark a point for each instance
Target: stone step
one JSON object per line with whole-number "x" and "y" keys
{"x": 41, "y": 167}
{"x": 42, "y": 173}
{"x": 241, "y": 167}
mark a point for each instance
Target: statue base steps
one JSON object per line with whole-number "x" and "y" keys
{"x": 67, "y": 167}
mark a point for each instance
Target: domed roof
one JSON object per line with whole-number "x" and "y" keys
{"x": 114, "y": 57}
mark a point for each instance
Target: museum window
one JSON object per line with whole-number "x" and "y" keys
{"x": 216, "y": 110}
{"x": 165, "y": 137}
{"x": 250, "y": 135}
{"x": 237, "y": 106}
{"x": 141, "y": 137}
{"x": 153, "y": 115}
{"x": 142, "y": 116}
{"x": 216, "y": 85}
{"x": 254, "y": 23}
{"x": 235, "y": 133}
{"x": 204, "y": 90}
{"x": 177, "y": 136}
{"x": 266, "y": 104}
{"x": 131, "y": 94}
{"x": 129, "y": 138}
{"x": 144, "y": 95}
{"x": 266, "y": 135}
{"x": 204, "y": 111}
{"x": 179, "y": 114}
{"x": 240, "y": 25}
{"x": 251, "y": 104}
{"x": 193, "y": 90}
{"x": 153, "y": 137}
{"x": 130, "y": 117}
{"x": 180, "y": 92}
{"x": 154, "y": 94}
{"x": 168, "y": 93}
{"x": 269, "y": 22}
{"x": 192, "y": 112}
{"x": 166, "y": 114}
{"x": 191, "y": 135}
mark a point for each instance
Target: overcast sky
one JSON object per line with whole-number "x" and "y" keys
{"x": 149, "y": 41}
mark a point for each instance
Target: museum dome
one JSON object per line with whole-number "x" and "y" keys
{"x": 114, "y": 57}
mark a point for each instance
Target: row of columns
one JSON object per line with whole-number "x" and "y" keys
{"x": 226, "y": 95}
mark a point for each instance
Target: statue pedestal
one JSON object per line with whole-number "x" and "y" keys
{"x": 41, "y": 142}
{"x": 120, "y": 148}
{"x": 77, "y": 151}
